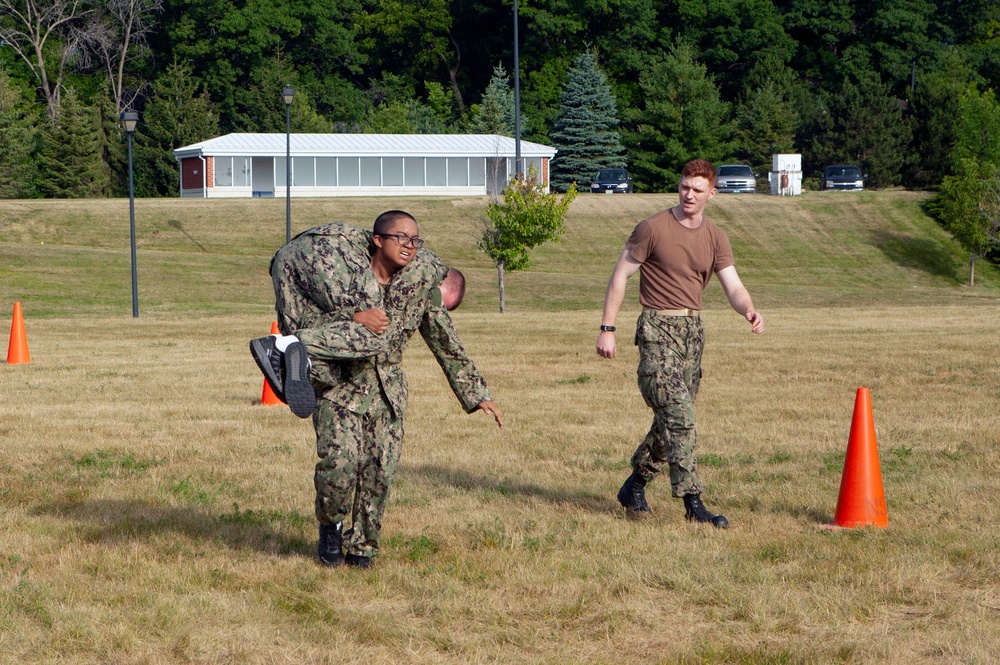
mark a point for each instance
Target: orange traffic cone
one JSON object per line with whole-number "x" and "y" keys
{"x": 17, "y": 352}
{"x": 267, "y": 397}
{"x": 862, "y": 499}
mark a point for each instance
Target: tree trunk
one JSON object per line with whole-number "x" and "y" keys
{"x": 500, "y": 284}
{"x": 972, "y": 270}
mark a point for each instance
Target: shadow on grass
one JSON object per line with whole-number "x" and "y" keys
{"x": 486, "y": 488}
{"x": 176, "y": 225}
{"x": 108, "y": 522}
{"x": 917, "y": 253}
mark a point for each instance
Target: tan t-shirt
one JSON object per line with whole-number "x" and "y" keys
{"x": 677, "y": 262}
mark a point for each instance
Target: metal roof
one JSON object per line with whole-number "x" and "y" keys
{"x": 365, "y": 145}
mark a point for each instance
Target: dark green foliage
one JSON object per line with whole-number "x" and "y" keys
{"x": 683, "y": 118}
{"x": 19, "y": 138}
{"x": 864, "y": 126}
{"x": 71, "y": 164}
{"x": 586, "y": 131}
{"x": 495, "y": 115}
{"x": 178, "y": 114}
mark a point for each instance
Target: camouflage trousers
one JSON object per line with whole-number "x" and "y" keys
{"x": 358, "y": 459}
{"x": 337, "y": 340}
{"x": 669, "y": 373}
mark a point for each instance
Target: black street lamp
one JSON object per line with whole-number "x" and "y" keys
{"x": 518, "y": 166}
{"x": 288, "y": 94}
{"x": 129, "y": 120}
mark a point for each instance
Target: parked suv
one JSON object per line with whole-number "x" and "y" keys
{"x": 609, "y": 181}
{"x": 735, "y": 178}
{"x": 843, "y": 177}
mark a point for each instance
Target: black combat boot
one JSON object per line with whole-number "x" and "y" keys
{"x": 359, "y": 561}
{"x": 632, "y": 495}
{"x": 329, "y": 546}
{"x": 697, "y": 512}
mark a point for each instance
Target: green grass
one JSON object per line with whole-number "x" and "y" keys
{"x": 204, "y": 257}
{"x": 155, "y": 513}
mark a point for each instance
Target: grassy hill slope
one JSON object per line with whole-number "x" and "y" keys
{"x": 822, "y": 249}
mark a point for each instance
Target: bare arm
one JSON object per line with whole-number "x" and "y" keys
{"x": 739, "y": 298}
{"x": 625, "y": 268}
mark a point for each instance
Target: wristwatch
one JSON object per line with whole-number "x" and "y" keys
{"x": 605, "y": 328}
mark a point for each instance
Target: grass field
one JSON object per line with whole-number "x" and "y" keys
{"x": 154, "y": 512}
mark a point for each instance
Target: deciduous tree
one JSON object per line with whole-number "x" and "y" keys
{"x": 524, "y": 219}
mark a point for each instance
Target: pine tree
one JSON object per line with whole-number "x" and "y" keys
{"x": 495, "y": 115}
{"x": 765, "y": 126}
{"x": 70, "y": 160}
{"x": 19, "y": 138}
{"x": 177, "y": 115}
{"x": 586, "y": 130}
{"x": 683, "y": 119}
{"x": 864, "y": 127}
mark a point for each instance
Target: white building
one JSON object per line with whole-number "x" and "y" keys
{"x": 253, "y": 165}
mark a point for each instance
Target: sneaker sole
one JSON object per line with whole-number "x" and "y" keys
{"x": 299, "y": 393}
{"x": 260, "y": 356}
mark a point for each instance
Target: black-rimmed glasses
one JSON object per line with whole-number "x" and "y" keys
{"x": 404, "y": 240}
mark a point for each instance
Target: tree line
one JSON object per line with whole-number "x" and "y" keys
{"x": 888, "y": 85}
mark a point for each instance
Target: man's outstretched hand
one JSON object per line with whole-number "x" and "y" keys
{"x": 492, "y": 409}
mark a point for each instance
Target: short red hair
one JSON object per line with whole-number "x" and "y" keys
{"x": 699, "y": 168}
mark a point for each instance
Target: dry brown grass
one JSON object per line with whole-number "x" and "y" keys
{"x": 153, "y": 513}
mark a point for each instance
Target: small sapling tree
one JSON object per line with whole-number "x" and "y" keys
{"x": 525, "y": 218}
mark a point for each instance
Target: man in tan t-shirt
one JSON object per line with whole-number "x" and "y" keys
{"x": 675, "y": 252}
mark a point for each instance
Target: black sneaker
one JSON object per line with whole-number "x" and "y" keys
{"x": 632, "y": 495}
{"x": 358, "y": 561}
{"x": 697, "y": 512}
{"x": 299, "y": 393}
{"x": 330, "y": 543}
{"x": 270, "y": 362}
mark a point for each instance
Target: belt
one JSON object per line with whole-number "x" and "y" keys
{"x": 673, "y": 312}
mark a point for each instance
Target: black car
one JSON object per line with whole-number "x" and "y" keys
{"x": 843, "y": 178}
{"x": 609, "y": 181}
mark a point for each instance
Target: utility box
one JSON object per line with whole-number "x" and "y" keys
{"x": 785, "y": 176}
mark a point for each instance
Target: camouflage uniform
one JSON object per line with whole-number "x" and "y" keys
{"x": 359, "y": 418}
{"x": 670, "y": 349}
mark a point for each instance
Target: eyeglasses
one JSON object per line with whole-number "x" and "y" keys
{"x": 404, "y": 240}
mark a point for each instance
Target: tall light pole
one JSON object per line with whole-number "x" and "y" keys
{"x": 518, "y": 167}
{"x": 288, "y": 94}
{"x": 129, "y": 120}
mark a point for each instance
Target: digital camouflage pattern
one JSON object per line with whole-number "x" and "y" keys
{"x": 669, "y": 374}
{"x": 321, "y": 278}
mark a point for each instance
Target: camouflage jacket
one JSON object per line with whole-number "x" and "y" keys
{"x": 324, "y": 275}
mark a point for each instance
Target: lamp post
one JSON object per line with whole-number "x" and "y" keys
{"x": 129, "y": 120}
{"x": 288, "y": 94}
{"x": 518, "y": 167}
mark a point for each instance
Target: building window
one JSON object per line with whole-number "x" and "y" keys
{"x": 280, "y": 172}
{"x": 437, "y": 172}
{"x": 414, "y": 171}
{"x": 223, "y": 171}
{"x": 458, "y": 172}
{"x": 348, "y": 172}
{"x": 533, "y": 163}
{"x": 392, "y": 171}
{"x": 371, "y": 171}
{"x": 303, "y": 171}
{"x": 326, "y": 171}
{"x": 477, "y": 171}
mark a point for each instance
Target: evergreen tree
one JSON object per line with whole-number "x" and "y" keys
{"x": 70, "y": 160}
{"x": 683, "y": 119}
{"x": 495, "y": 115}
{"x": 178, "y": 114}
{"x": 113, "y": 146}
{"x": 19, "y": 138}
{"x": 586, "y": 131}
{"x": 765, "y": 126}
{"x": 864, "y": 126}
